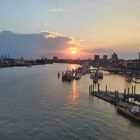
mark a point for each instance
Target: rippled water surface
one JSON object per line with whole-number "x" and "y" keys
{"x": 35, "y": 104}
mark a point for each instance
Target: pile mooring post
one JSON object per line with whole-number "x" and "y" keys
{"x": 106, "y": 88}
{"x": 124, "y": 96}
{"x": 128, "y": 94}
{"x": 89, "y": 90}
{"x": 92, "y": 87}
{"x": 134, "y": 89}
{"x": 62, "y": 73}
{"x": 134, "y": 92}
{"x": 58, "y": 74}
{"x": 117, "y": 95}
{"x": 98, "y": 87}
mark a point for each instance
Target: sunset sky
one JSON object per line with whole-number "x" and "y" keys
{"x": 81, "y": 28}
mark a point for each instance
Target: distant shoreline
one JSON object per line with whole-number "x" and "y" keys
{"x": 18, "y": 65}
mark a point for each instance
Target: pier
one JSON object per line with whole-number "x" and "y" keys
{"x": 124, "y": 102}
{"x": 114, "y": 97}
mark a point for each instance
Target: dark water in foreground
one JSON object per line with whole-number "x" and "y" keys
{"x": 36, "y": 105}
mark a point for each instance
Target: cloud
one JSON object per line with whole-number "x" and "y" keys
{"x": 35, "y": 45}
{"x": 49, "y": 34}
{"x": 51, "y": 44}
{"x": 60, "y": 10}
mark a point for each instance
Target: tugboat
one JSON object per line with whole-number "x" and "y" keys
{"x": 67, "y": 76}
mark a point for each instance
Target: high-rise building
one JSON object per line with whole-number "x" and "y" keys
{"x": 55, "y": 58}
{"x": 96, "y": 57}
{"x": 105, "y": 57}
{"x": 114, "y": 57}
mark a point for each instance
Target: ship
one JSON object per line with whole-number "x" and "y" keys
{"x": 67, "y": 76}
{"x": 131, "y": 111}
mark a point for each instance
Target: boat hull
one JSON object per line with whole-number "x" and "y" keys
{"x": 128, "y": 114}
{"x": 67, "y": 78}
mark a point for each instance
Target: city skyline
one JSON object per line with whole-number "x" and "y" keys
{"x": 87, "y": 27}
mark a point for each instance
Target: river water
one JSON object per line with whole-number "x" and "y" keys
{"x": 36, "y": 105}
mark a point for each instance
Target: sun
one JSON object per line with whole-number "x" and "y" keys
{"x": 73, "y": 51}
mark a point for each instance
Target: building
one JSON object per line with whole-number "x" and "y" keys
{"x": 133, "y": 65}
{"x": 105, "y": 57}
{"x": 55, "y": 58}
{"x": 114, "y": 57}
{"x": 96, "y": 57}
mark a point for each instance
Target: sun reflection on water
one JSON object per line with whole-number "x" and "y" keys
{"x": 74, "y": 95}
{"x": 73, "y": 66}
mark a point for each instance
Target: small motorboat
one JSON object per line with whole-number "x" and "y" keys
{"x": 77, "y": 76}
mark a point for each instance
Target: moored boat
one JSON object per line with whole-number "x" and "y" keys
{"x": 92, "y": 75}
{"x": 77, "y": 76}
{"x": 130, "y": 111}
{"x": 95, "y": 80}
{"x": 100, "y": 75}
{"x": 97, "y": 74}
{"x": 67, "y": 76}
